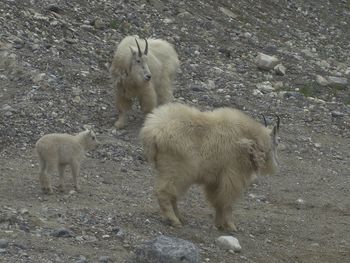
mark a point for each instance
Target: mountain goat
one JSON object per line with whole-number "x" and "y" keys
{"x": 59, "y": 150}
{"x": 146, "y": 75}
{"x": 223, "y": 150}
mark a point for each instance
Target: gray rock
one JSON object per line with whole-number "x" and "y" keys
{"x": 7, "y": 107}
{"x": 35, "y": 47}
{"x": 54, "y": 8}
{"x": 336, "y": 114}
{"x": 3, "y": 243}
{"x": 104, "y": 259}
{"x": 337, "y": 81}
{"x": 76, "y": 91}
{"x": 280, "y": 70}
{"x": 81, "y": 259}
{"x": 62, "y": 232}
{"x": 71, "y": 40}
{"x": 266, "y": 62}
{"x": 87, "y": 27}
{"x": 165, "y": 249}
{"x": 184, "y": 14}
{"x": 98, "y": 23}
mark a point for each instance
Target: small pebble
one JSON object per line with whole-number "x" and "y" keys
{"x": 62, "y": 232}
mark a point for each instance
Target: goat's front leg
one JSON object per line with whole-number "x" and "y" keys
{"x": 75, "y": 167}
{"x": 123, "y": 105}
{"x": 148, "y": 99}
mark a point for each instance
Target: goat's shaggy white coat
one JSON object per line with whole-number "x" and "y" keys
{"x": 56, "y": 151}
{"x": 223, "y": 150}
{"x": 147, "y": 76}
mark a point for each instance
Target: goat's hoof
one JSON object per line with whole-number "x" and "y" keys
{"x": 229, "y": 226}
{"x": 175, "y": 223}
{"x": 47, "y": 190}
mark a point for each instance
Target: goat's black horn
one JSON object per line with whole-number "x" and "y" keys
{"x": 146, "y": 48}
{"x": 138, "y": 47}
{"x": 265, "y": 122}
{"x": 278, "y": 121}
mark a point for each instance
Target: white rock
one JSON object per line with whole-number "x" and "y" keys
{"x": 321, "y": 80}
{"x": 229, "y": 242}
{"x": 280, "y": 70}
{"x": 278, "y": 85}
{"x": 257, "y": 92}
{"x": 168, "y": 21}
{"x": 265, "y": 87}
{"x": 227, "y": 12}
{"x": 299, "y": 203}
{"x": 211, "y": 84}
{"x": 247, "y": 35}
{"x": 323, "y": 63}
{"x": 266, "y": 62}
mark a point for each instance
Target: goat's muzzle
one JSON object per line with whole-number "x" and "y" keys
{"x": 147, "y": 77}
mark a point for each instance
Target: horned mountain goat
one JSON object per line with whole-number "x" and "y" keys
{"x": 223, "y": 150}
{"x": 59, "y": 150}
{"x": 146, "y": 75}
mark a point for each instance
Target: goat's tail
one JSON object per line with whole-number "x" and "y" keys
{"x": 150, "y": 148}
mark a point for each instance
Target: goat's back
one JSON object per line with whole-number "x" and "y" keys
{"x": 206, "y": 136}
{"x": 61, "y": 146}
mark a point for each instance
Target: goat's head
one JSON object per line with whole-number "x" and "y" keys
{"x": 90, "y": 141}
{"x": 139, "y": 67}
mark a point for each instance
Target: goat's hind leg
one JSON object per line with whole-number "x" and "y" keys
{"x": 221, "y": 201}
{"x": 167, "y": 196}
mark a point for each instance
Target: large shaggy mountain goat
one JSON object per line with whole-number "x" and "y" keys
{"x": 56, "y": 151}
{"x": 146, "y": 75}
{"x": 223, "y": 150}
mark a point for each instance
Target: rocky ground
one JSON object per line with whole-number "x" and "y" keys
{"x": 54, "y": 60}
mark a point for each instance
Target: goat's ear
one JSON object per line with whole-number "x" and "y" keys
{"x": 255, "y": 155}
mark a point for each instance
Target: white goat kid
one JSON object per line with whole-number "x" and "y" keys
{"x": 56, "y": 151}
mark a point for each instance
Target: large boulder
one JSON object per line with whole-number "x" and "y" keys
{"x": 165, "y": 249}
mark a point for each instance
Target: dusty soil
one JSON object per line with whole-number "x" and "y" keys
{"x": 54, "y": 59}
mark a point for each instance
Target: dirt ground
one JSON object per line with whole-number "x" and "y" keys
{"x": 54, "y": 78}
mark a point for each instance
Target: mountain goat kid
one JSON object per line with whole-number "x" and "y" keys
{"x": 146, "y": 75}
{"x": 223, "y": 150}
{"x": 59, "y": 150}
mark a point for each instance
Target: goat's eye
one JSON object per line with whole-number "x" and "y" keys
{"x": 138, "y": 61}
